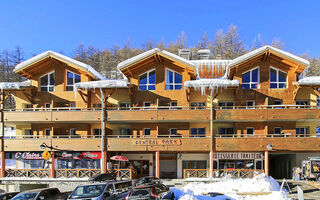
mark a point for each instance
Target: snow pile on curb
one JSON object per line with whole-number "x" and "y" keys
{"x": 230, "y": 189}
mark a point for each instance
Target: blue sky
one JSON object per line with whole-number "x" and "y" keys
{"x": 37, "y": 26}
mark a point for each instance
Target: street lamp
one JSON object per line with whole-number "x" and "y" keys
{"x": 269, "y": 147}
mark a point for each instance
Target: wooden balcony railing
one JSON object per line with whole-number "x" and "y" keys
{"x": 236, "y": 173}
{"x": 76, "y": 173}
{"x": 125, "y": 173}
{"x": 195, "y": 173}
{"x": 282, "y": 135}
{"x": 30, "y": 173}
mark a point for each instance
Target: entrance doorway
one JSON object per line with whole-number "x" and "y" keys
{"x": 141, "y": 167}
{"x": 281, "y": 165}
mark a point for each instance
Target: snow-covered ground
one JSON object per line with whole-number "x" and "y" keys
{"x": 233, "y": 189}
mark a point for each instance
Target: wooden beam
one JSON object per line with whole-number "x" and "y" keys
{"x": 295, "y": 92}
{"x": 315, "y": 90}
{"x": 297, "y": 67}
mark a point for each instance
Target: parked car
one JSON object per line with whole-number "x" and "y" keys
{"x": 145, "y": 180}
{"x": 39, "y": 194}
{"x": 150, "y": 192}
{"x": 111, "y": 175}
{"x": 8, "y": 195}
{"x": 111, "y": 190}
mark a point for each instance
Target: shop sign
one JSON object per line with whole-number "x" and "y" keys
{"x": 170, "y": 142}
{"x": 28, "y": 155}
{"x": 237, "y": 156}
{"x": 80, "y": 155}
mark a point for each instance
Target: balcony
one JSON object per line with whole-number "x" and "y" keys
{"x": 267, "y": 113}
{"x": 158, "y": 114}
{"x": 32, "y": 143}
{"x": 160, "y": 143}
{"x": 64, "y": 114}
{"x": 282, "y": 143}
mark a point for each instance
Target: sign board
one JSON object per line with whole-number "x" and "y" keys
{"x": 46, "y": 155}
{"x": 28, "y": 155}
{"x": 237, "y": 156}
{"x": 170, "y": 142}
{"x": 79, "y": 155}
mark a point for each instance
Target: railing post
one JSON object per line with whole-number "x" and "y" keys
{"x": 266, "y": 165}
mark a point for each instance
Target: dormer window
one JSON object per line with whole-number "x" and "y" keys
{"x": 173, "y": 80}
{"x": 147, "y": 81}
{"x": 278, "y": 78}
{"x": 72, "y": 78}
{"x": 47, "y": 82}
{"x": 250, "y": 79}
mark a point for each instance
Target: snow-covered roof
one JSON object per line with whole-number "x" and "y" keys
{"x": 211, "y": 84}
{"x": 61, "y": 57}
{"x": 256, "y": 52}
{"x": 13, "y": 85}
{"x": 108, "y": 83}
{"x": 311, "y": 80}
{"x": 135, "y": 59}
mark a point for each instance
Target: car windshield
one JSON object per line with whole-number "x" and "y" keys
{"x": 26, "y": 196}
{"x": 87, "y": 191}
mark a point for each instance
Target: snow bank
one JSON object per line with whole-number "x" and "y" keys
{"x": 8, "y": 131}
{"x": 311, "y": 80}
{"x": 211, "y": 84}
{"x": 232, "y": 189}
{"x": 109, "y": 83}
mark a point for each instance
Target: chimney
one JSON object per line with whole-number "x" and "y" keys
{"x": 203, "y": 54}
{"x": 185, "y": 53}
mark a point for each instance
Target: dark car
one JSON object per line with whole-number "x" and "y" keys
{"x": 150, "y": 192}
{"x": 8, "y": 195}
{"x": 111, "y": 190}
{"x": 146, "y": 180}
{"x": 104, "y": 177}
{"x": 39, "y": 194}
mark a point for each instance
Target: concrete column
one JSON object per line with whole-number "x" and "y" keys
{"x": 158, "y": 164}
{"x": 266, "y": 163}
{"x": 53, "y": 165}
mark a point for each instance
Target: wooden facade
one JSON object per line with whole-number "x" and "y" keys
{"x": 174, "y": 122}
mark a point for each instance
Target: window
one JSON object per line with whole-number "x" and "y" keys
{"x": 28, "y": 106}
{"x": 301, "y": 131}
{"x": 147, "y": 81}
{"x": 72, "y": 104}
{"x": 173, "y": 131}
{"x": 97, "y": 106}
{"x": 278, "y": 79}
{"x": 173, "y": 80}
{"x": 47, "y": 132}
{"x": 124, "y": 106}
{"x": 198, "y": 132}
{"x": 250, "y": 79}
{"x": 146, "y": 104}
{"x": 250, "y": 104}
{"x": 72, "y": 78}
{"x": 125, "y": 132}
{"x": 198, "y": 105}
{"x": 28, "y": 132}
{"x": 173, "y": 105}
{"x": 47, "y": 105}
{"x": 277, "y": 130}
{"x": 47, "y": 82}
{"x": 146, "y": 131}
{"x": 225, "y": 105}
{"x": 302, "y": 103}
{"x": 97, "y": 132}
{"x": 225, "y": 131}
{"x": 250, "y": 131}
{"x": 73, "y": 131}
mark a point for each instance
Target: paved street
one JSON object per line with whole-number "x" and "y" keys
{"x": 311, "y": 192}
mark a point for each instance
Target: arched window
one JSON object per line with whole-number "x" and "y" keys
{"x": 173, "y": 80}
{"x": 147, "y": 81}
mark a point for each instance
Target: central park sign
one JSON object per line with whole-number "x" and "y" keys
{"x": 173, "y": 142}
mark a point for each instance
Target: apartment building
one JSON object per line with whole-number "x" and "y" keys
{"x": 172, "y": 117}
